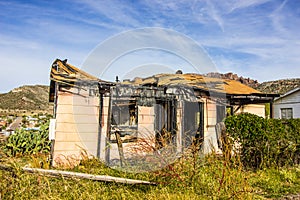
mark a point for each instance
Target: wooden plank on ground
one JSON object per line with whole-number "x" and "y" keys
{"x": 69, "y": 174}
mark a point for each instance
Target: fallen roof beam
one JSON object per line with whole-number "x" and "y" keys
{"x": 69, "y": 174}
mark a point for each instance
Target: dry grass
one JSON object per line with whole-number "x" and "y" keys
{"x": 191, "y": 177}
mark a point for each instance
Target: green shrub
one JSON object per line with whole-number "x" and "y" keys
{"x": 28, "y": 142}
{"x": 265, "y": 142}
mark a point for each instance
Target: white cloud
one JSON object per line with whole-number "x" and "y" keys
{"x": 242, "y": 4}
{"x": 117, "y": 11}
{"x": 257, "y": 37}
{"x": 8, "y": 41}
{"x": 214, "y": 14}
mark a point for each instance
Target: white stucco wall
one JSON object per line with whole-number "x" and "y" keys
{"x": 77, "y": 126}
{"x": 210, "y": 120}
{"x": 257, "y": 109}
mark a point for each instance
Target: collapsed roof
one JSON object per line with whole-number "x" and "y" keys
{"x": 67, "y": 74}
{"x": 236, "y": 92}
{"x": 63, "y": 72}
{"x": 196, "y": 81}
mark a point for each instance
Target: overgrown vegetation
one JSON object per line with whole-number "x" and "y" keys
{"x": 211, "y": 177}
{"x": 193, "y": 176}
{"x": 28, "y": 142}
{"x": 265, "y": 142}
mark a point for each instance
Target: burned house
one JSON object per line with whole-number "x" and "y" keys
{"x": 115, "y": 121}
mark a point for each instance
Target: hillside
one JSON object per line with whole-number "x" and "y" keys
{"x": 278, "y": 86}
{"x": 26, "y": 98}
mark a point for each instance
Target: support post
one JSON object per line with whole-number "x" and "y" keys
{"x": 271, "y": 110}
{"x": 100, "y": 123}
{"x": 108, "y": 131}
{"x": 56, "y": 86}
{"x": 231, "y": 110}
{"x": 120, "y": 148}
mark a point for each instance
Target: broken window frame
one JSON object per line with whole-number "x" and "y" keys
{"x": 124, "y": 110}
{"x": 196, "y": 135}
{"x": 165, "y": 124}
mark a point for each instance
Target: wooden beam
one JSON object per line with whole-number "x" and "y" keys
{"x": 120, "y": 148}
{"x": 271, "y": 110}
{"x": 69, "y": 174}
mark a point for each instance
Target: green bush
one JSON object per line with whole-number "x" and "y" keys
{"x": 265, "y": 142}
{"x": 28, "y": 142}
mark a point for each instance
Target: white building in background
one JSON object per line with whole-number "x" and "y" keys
{"x": 287, "y": 106}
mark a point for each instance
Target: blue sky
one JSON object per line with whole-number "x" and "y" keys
{"x": 259, "y": 39}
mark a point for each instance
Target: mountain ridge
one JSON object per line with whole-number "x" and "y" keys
{"x": 26, "y": 98}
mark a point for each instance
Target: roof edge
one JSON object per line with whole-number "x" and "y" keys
{"x": 288, "y": 93}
